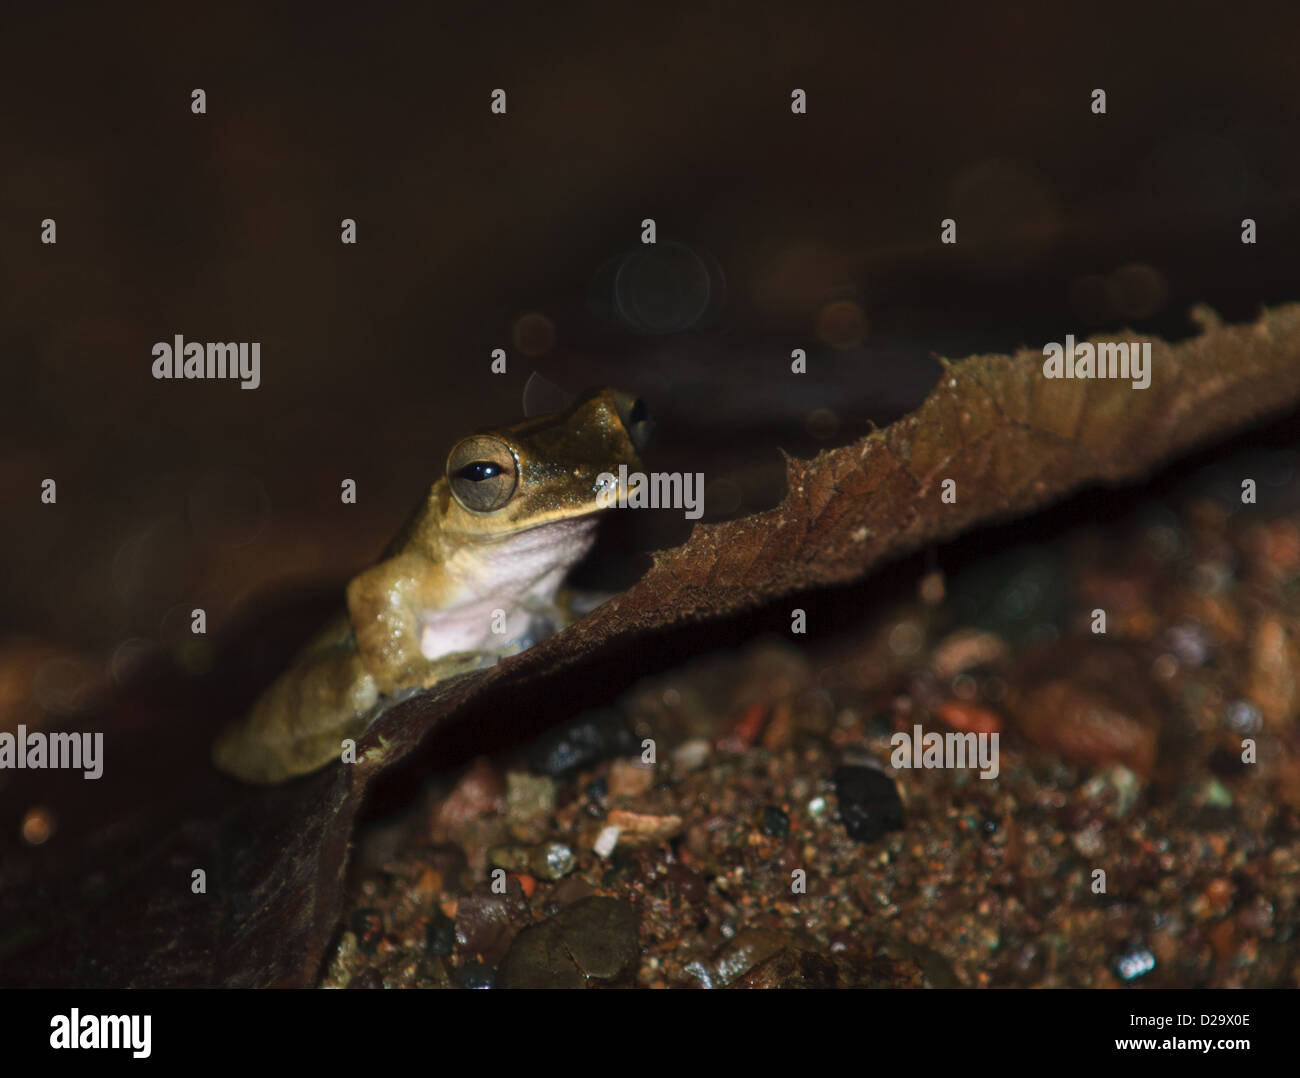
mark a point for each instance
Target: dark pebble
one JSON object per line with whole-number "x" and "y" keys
{"x": 690, "y": 886}
{"x": 869, "y": 802}
{"x": 789, "y": 968}
{"x": 597, "y": 794}
{"x": 367, "y": 978}
{"x": 592, "y": 943}
{"x": 368, "y": 925}
{"x": 773, "y": 822}
{"x": 475, "y": 975}
{"x": 750, "y": 951}
{"x": 440, "y": 934}
{"x": 588, "y": 739}
{"x": 485, "y": 922}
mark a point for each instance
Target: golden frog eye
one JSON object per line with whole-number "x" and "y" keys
{"x": 482, "y": 473}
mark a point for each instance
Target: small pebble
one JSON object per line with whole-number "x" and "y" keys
{"x": 440, "y": 935}
{"x": 693, "y": 754}
{"x": 546, "y": 860}
{"x": 690, "y": 886}
{"x": 530, "y": 800}
{"x": 367, "y": 978}
{"x": 588, "y": 739}
{"x": 1216, "y": 795}
{"x": 485, "y": 921}
{"x": 869, "y": 802}
{"x": 592, "y": 942}
{"x": 478, "y": 793}
{"x": 965, "y": 716}
{"x": 1134, "y": 964}
{"x": 606, "y": 841}
{"x": 774, "y": 823}
{"x": 553, "y": 860}
{"x": 476, "y": 975}
{"x": 629, "y": 778}
{"x": 644, "y": 828}
{"x": 368, "y": 926}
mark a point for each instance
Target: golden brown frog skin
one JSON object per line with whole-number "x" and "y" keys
{"x": 473, "y": 576}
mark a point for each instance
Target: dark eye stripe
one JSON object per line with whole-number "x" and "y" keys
{"x": 479, "y": 470}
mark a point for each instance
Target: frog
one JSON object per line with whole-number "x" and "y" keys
{"x": 477, "y": 573}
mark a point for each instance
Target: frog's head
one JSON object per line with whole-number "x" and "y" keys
{"x": 545, "y": 469}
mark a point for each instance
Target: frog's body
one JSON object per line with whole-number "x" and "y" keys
{"x": 476, "y": 574}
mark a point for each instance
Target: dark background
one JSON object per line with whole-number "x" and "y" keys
{"x": 522, "y": 232}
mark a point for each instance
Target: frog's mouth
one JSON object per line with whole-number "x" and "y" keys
{"x": 574, "y": 526}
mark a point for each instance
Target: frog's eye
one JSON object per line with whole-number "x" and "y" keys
{"x": 482, "y": 473}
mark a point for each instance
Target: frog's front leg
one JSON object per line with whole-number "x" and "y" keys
{"x": 387, "y": 605}
{"x": 383, "y": 606}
